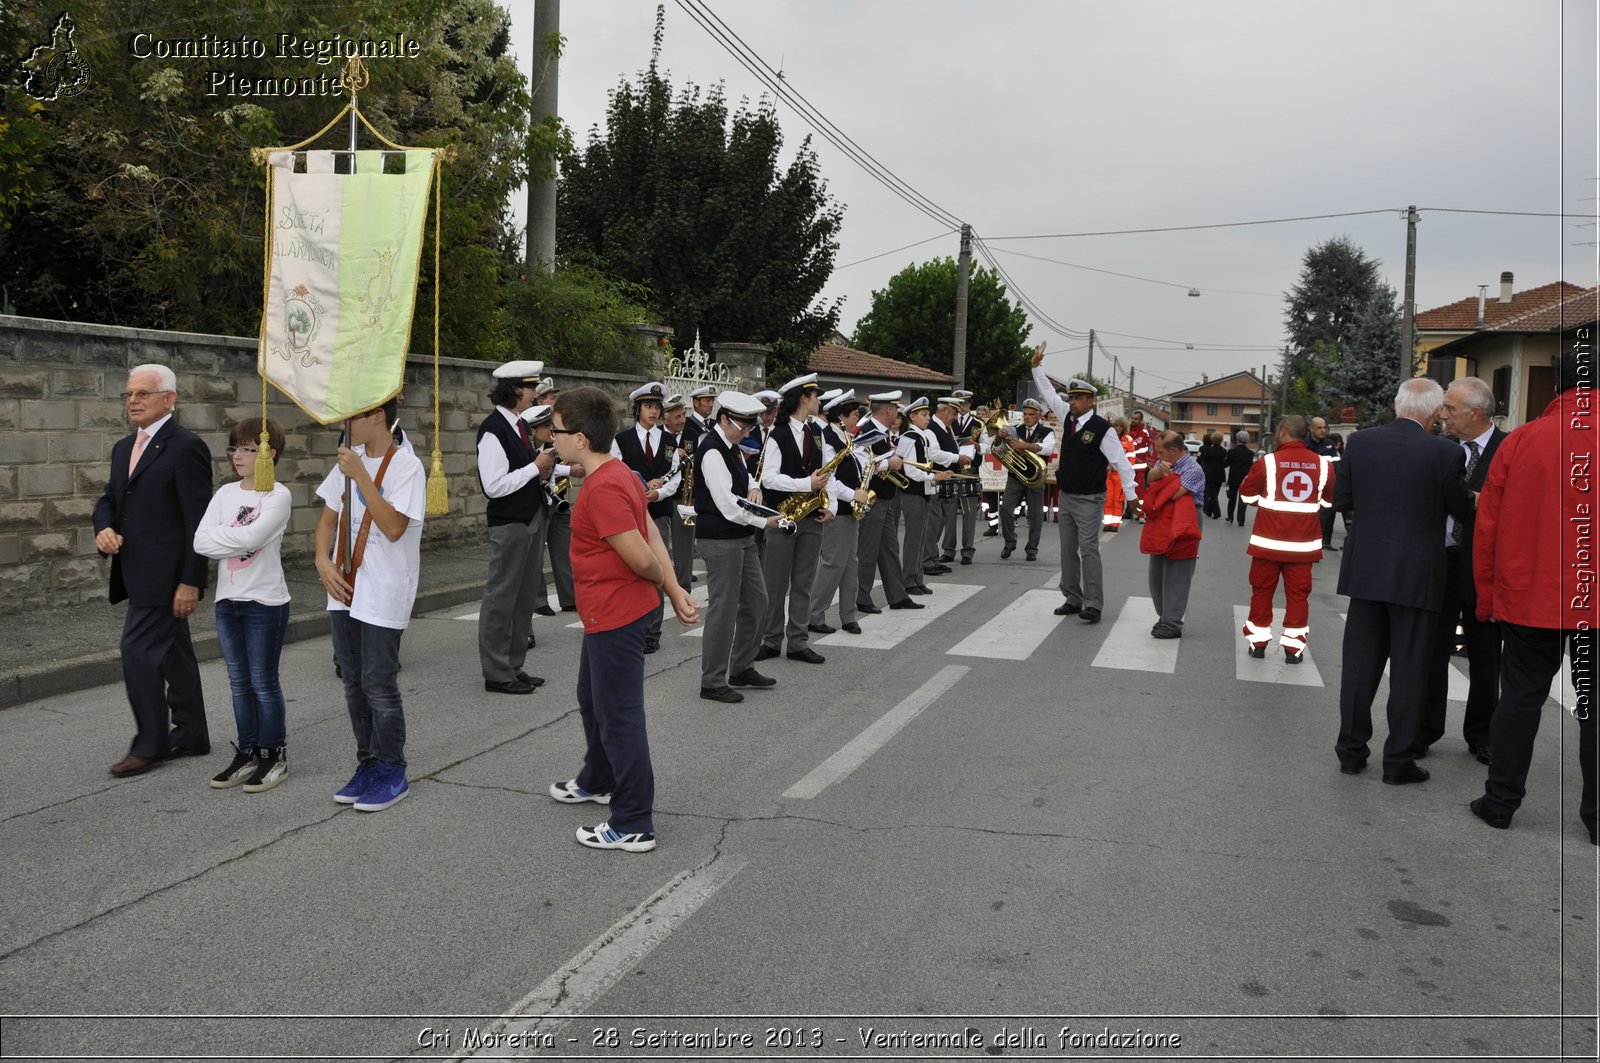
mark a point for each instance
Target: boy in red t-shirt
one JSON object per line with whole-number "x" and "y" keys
{"x": 619, "y": 571}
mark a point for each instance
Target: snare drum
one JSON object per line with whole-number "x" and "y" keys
{"x": 967, "y": 488}
{"x": 945, "y": 489}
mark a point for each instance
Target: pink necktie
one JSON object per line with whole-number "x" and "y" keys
{"x": 138, "y": 448}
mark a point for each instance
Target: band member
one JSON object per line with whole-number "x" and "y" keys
{"x": 837, "y": 563}
{"x": 947, "y": 452}
{"x": 1035, "y": 437}
{"x": 643, "y": 449}
{"x": 792, "y": 465}
{"x": 725, "y": 533}
{"x": 701, "y": 399}
{"x": 541, "y": 421}
{"x": 965, "y": 512}
{"x": 558, "y": 522}
{"x": 877, "y": 541}
{"x": 675, "y": 421}
{"x": 509, "y": 473}
{"x": 1088, "y": 445}
{"x": 917, "y": 444}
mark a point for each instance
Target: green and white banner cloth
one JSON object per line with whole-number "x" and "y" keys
{"x": 342, "y": 277}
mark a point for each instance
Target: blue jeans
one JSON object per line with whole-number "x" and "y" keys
{"x": 616, "y": 757}
{"x": 369, "y": 658}
{"x": 251, "y": 636}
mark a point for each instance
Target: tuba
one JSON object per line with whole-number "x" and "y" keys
{"x": 1024, "y": 465}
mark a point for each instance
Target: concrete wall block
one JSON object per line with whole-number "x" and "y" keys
{"x": 188, "y": 357}
{"x": 10, "y": 413}
{"x": 233, "y": 412}
{"x": 82, "y": 383}
{"x": 25, "y": 584}
{"x": 44, "y": 415}
{"x": 50, "y": 545}
{"x": 23, "y": 382}
{"x": 91, "y": 478}
{"x": 8, "y": 483}
{"x": 304, "y": 521}
{"x": 110, "y": 352}
{"x": 199, "y": 417}
{"x": 248, "y": 389}
{"x": 216, "y": 389}
{"x": 81, "y": 573}
{"x": 456, "y": 421}
{"x": 18, "y": 448}
{"x": 74, "y": 512}
{"x": 23, "y": 516}
{"x": 80, "y": 446}
{"x": 102, "y": 413}
{"x": 324, "y": 444}
{"x": 86, "y": 547}
{"x": 10, "y": 549}
{"x": 38, "y": 481}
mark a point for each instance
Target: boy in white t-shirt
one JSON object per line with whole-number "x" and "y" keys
{"x": 382, "y": 547}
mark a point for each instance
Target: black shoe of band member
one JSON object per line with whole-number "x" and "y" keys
{"x": 1007, "y": 552}
{"x": 545, "y": 610}
{"x": 806, "y": 655}
{"x": 852, "y": 627}
{"x": 868, "y": 608}
{"x": 1090, "y": 615}
{"x": 1068, "y": 609}
{"x": 906, "y": 603}
{"x": 724, "y": 694}
{"x": 532, "y": 680}
{"x": 820, "y": 629}
{"x": 766, "y": 653}
{"x": 516, "y": 686}
{"x": 751, "y": 678}
{"x": 967, "y": 560}
{"x": 652, "y": 645}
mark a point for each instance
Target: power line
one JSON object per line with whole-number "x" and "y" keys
{"x": 1130, "y": 276}
{"x": 1188, "y": 228}
{"x": 1022, "y": 296}
{"x": 1200, "y": 346}
{"x": 1504, "y": 213}
{"x": 885, "y": 254}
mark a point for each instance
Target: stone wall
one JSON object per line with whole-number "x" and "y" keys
{"x": 60, "y": 413}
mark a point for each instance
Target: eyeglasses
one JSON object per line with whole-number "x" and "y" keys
{"x": 143, "y": 395}
{"x": 565, "y": 431}
{"x": 243, "y": 450}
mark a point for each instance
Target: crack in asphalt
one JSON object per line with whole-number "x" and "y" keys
{"x": 64, "y": 801}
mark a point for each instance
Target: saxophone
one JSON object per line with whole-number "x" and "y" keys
{"x": 686, "y": 491}
{"x": 797, "y": 507}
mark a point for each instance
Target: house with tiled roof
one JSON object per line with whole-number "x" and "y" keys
{"x": 1513, "y": 352}
{"x": 838, "y": 366}
{"x": 1445, "y": 324}
{"x": 1227, "y": 404}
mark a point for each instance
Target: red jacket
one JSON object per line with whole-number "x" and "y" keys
{"x": 1291, "y": 486}
{"x": 1533, "y": 541}
{"x": 1171, "y": 527}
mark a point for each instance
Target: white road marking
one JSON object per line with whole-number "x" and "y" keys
{"x": 1028, "y": 622}
{"x": 855, "y": 752}
{"x": 888, "y": 629}
{"x": 613, "y": 954}
{"x": 1130, "y": 646}
{"x": 1272, "y": 668}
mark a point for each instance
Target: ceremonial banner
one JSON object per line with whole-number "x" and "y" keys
{"x": 342, "y": 276}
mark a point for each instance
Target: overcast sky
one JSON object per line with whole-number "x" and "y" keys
{"x": 1028, "y": 117}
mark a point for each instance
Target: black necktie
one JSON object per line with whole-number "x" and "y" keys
{"x": 1458, "y": 531}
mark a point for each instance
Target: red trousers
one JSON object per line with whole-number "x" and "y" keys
{"x": 1296, "y": 589}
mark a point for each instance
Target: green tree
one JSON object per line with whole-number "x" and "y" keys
{"x": 153, "y": 215}
{"x": 1328, "y": 316}
{"x": 690, "y": 202}
{"x": 1367, "y": 371}
{"x": 913, "y": 319}
{"x": 578, "y": 318}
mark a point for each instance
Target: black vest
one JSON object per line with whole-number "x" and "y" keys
{"x": 848, "y": 471}
{"x": 654, "y": 469}
{"x": 947, "y": 442}
{"x": 794, "y": 462}
{"x": 692, "y": 430}
{"x": 1083, "y": 467}
{"x": 523, "y": 504}
{"x": 880, "y": 484}
{"x": 709, "y": 523}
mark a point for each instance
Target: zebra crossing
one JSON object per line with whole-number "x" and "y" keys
{"x": 1126, "y": 645}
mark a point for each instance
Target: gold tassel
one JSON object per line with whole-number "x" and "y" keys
{"x": 264, "y": 470}
{"x": 438, "y": 491}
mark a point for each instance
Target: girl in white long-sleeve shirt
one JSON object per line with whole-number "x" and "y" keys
{"x": 243, "y": 528}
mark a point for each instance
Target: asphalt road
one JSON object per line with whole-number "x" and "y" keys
{"x": 1001, "y": 832}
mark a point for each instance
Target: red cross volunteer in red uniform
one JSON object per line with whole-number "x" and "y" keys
{"x": 1291, "y": 486}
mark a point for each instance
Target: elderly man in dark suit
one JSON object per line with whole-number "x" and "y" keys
{"x": 1468, "y": 407}
{"x": 1403, "y": 482}
{"x": 159, "y": 488}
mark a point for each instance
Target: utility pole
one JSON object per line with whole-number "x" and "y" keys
{"x": 963, "y": 269}
{"x": 1130, "y": 383}
{"x": 1408, "y": 326}
{"x": 1266, "y": 397}
{"x": 541, "y": 249}
{"x": 1090, "y": 370}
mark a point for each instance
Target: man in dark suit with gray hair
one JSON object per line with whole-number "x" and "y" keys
{"x": 159, "y": 488}
{"x": 1403, "y": 482}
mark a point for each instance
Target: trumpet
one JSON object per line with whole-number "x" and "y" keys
{"x": 558, "y": 493}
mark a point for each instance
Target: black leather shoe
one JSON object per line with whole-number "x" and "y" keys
{"x": 751, "y": 678}
{"x": 531, "y": 642}
{"x": 1481, "y": 752}
{"x": 918, "y": 590}
{"x": 1497, "y": 820}
{"x": 569, "y": 609}
{"x": 1329, "y": 546}
{"x": 1067, "y": 609}
{"x": 807, "y": 655}
{"x": 545, "y": 610}
{"x": 906, "y": 603}
{"x": 1007, "y": 552}
{"x": 516, "y": 686}
{"x": 966, "y": 560}
{"x": 175, "y": 751}
{"x": 1406, "y": 775}
{"x": 1091, "y": 615}
{"x": 766, "y": 653}
{"x": 852, "y": 627}
{"x": 1293, "y": 656}
{"x": 990, "y": 534}
{"x": 534, "y": 682}
{"x": 652, "y": 645}
{"x": 945, "y": 559}
{"x": 725, "y": 694}
{"x": 868, "y": 608}
{"x": 1165, "y": 631}
{"x": 1352, "y": 767}
{"x": 1033, "y": 557}
{"x": 820, "y": 629}
{"x": 1258, "y": 652}
{"x": 1422, "y": 752}
{"x": 937, "y": 570}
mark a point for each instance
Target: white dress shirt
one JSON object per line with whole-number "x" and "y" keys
{"x": 719, "y": 481}
{"x": 494, "y": 466}
{"x": 772, "y": 477}
{"x": 1483, "y": 445}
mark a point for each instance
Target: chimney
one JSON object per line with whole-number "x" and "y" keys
{"x": 1483, "y": 296}
{"x": 1505, "y": 286}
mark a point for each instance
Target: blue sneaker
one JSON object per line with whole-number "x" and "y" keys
{"x": 351, "y": 791}
{"x": 388, "y": 786}
{"x": 603, "y": 837}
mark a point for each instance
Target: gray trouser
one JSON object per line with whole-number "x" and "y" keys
{"x": 939, "y": 509}
{"x": 736, "y": 599}
{"x": 508, "y": 601}
{"x": 914, "y": 504}
{"x": 965, "y": 512}
{"x": 682, "y": 545}
{"x": 1016, "y": 491}
{"x": 1081, "y": 579}
{"x": 558, "y": 545}
{"x": 790, "y": 568}
{"x": 878, "y": 551}
{"x": 1169, "y": 587}
{"x": 836, "y": 570}
{"x": 654, "y": 634}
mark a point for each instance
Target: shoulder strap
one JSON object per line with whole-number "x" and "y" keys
{"x": 348, "y": 571}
